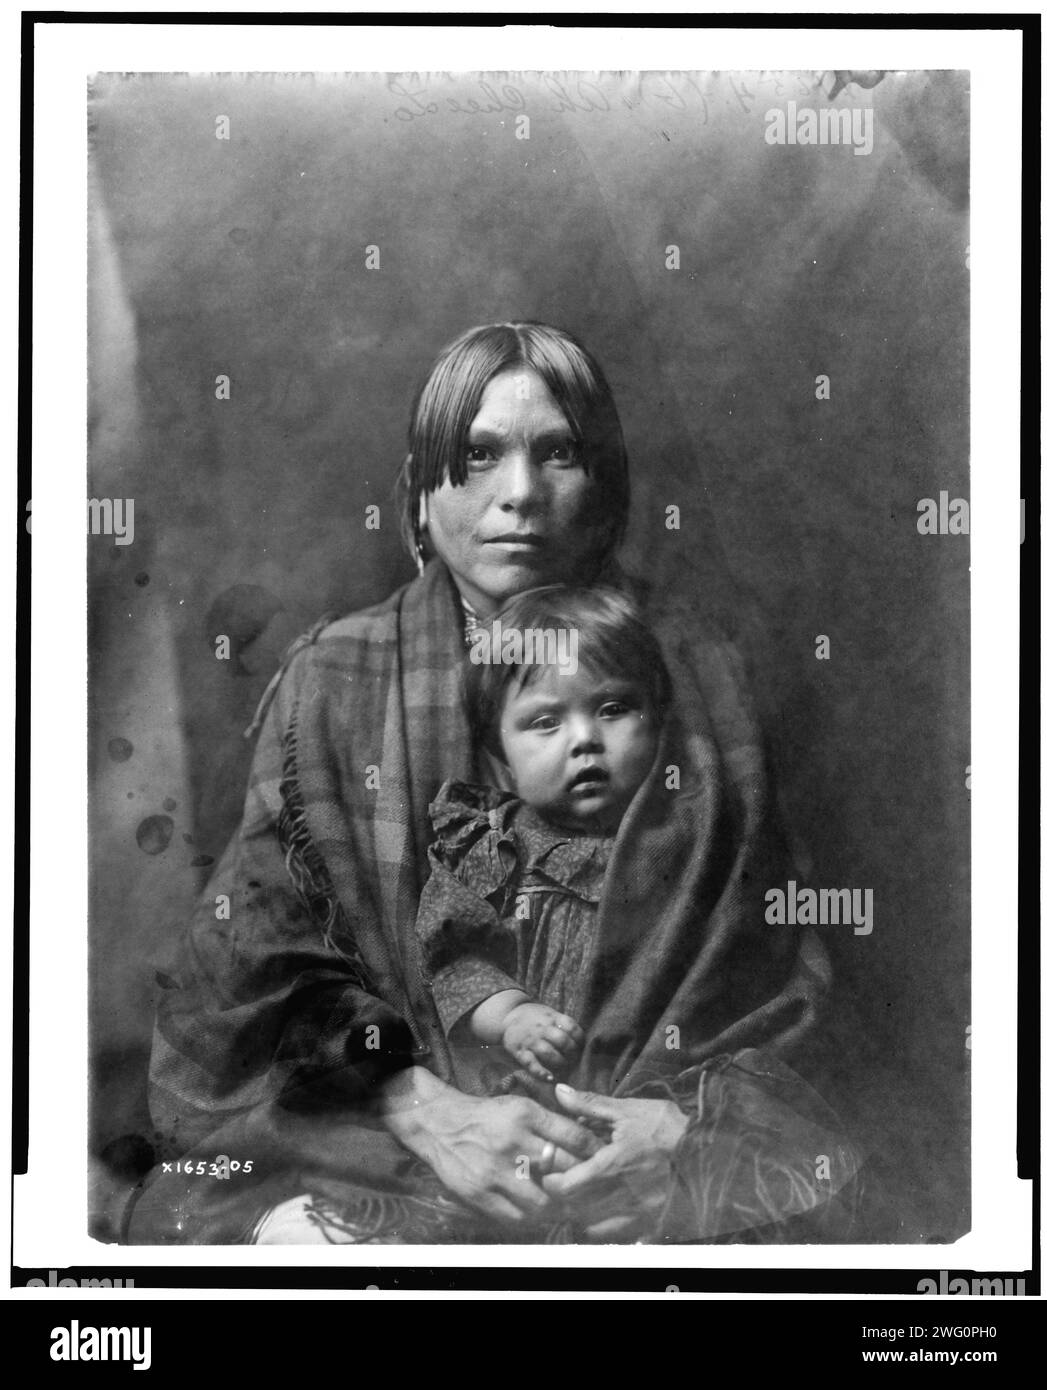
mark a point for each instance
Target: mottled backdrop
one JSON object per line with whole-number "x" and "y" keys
{"x": 246, "y": 257}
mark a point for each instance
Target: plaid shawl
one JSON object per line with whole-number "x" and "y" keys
{"x": 311, "y": 991}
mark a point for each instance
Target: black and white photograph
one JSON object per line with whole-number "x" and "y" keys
{"x": 529, "y": 667}
{"x": 528, "y": 595}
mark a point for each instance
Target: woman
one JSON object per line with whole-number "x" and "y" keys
{"x": 298, "y": 1035}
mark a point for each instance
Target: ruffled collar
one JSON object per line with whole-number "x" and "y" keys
{"x": 463, "y": 816}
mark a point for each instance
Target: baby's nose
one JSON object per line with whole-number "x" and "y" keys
{"x": 586, "y": 736}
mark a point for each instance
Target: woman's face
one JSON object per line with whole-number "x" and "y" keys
{"x": 525, "y": 516}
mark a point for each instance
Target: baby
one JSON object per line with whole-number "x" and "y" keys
{"x": 568, "y": 690}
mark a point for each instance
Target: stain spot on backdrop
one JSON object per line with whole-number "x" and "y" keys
{"x": 154, "y": 834}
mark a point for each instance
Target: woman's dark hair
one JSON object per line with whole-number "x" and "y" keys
{"x": 449, "y": 401}
{"x": 613, "y": 640}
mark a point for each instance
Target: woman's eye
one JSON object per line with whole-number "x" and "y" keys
{"x": 477, "y": 455}
{"x": 613, "y": 709}
{"x": 565, "y": 454}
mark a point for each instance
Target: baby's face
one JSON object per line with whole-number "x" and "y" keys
{"x": 578, "y": 745}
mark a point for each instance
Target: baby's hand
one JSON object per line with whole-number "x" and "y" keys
{"x": 544, "y": 1041}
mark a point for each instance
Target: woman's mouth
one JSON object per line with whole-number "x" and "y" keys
{"x": 517, "y": 541}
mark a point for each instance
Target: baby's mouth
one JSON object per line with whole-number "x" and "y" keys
{"x": 588, "y": 777}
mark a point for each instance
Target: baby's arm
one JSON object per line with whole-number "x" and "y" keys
{"x": 487, "y": 1020}
{"x": 468, "y": 952}
{"x": 539, "y": 1038}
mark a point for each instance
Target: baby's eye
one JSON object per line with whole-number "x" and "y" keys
{"x": 544, "y": 723}
{"x": 614, "y": 709}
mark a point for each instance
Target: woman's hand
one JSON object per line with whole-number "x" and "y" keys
{"x": 626, "y": 1183}
{"x": 474, "y": 1145}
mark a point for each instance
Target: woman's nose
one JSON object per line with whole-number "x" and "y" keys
{"x": 520, "y": 482}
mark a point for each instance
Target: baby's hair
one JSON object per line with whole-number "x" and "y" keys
{"x": 613, "y": 640}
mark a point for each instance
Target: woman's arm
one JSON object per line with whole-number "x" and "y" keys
{"x": 474, "y": 1144}
{"x": 259, "y": 1009}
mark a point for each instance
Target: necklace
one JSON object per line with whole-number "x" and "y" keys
{"x": 472, "y": 621}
